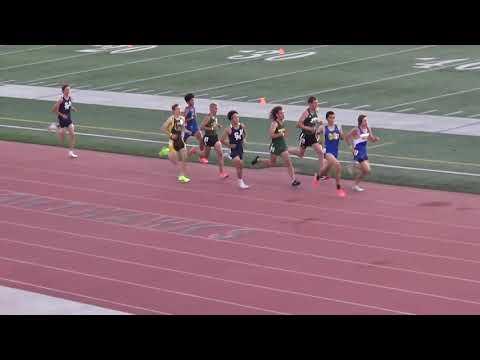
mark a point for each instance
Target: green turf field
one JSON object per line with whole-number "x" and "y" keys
{"x": 439, "y": 80}
{"x": 402, "y": 157}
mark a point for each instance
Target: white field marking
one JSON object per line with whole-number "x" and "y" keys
{"x": 365, "y": 83}
{"x": 129, "y": 90}
{"x": 6, "y": 81}
{"x": 130, "y": 63}
{"x": 82, "y": 86}
{"x": 81, "y": 295}
{"x": 147, "y": 91}
{"x": 25, "y": 50}
{"x": 37, "y": 83}
{"x": 220, "y": 259}
{"x": 476, "y": 115}
{"x": 360, "y": 107}
{"x": 120, "y": 281}
{"x": 239, "y": 97}
{"x": 382, "y": 144}
{"x": 164, "y": 92}
{"x": 116, "y": 88}
{"x": 429, "y": 111}
{"x": 199, "y": 95}
{"x": 315, "y": 68}
{"x": 219, "y": 96}
{"x": 403, "y": 110}
{"x": 296, "y": 102}
{"x": 343, "y": 104}
{"x": 44, "y": 62}
{"x": 208, "y": 67}
{"x": 430, "y": 98}
{"x": 323, "y": 102}
{"x": 454, "y": 113}
{"x": 256, "y": 152}
{"x": 51, "y": 84}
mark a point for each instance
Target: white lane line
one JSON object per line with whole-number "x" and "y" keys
{"x": 343, "y": 104}
{"x": 255, "y": 152}
{"x": 429, "y": 111}
{"x": 25, "y": 50}
{"x": 239, "y": 97}
{"x": 403, "y": 110}
{"x": 219, "y": 96}
{"x": 132, "y": 62}
{"x": 365, "y": 83}
{"x": 315, "y": 68}
{"x": 82, "y": 86}
{"x": 382, "y": 144}
{"x": 130, "y": 90}
{"x": 454, "y": 113}
{"x": 360, "y": 107}
{"x": 131, "y": 283}
{"x": 45, "y": 62}
{"x": 296, "y": 102}
{"x": 6, "y": 81}
{"x": 323, "y": 102}
{"x": 37, "y": 83}
{"x": 476, "y": 115}
{"x": 51, "y": 84}
{"x": 199, "y": 95}
{"x": 430, "y": 98}
{"x": 208, "y": 67}
{"x": 147, "y": 91}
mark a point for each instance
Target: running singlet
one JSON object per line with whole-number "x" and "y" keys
{"x": 332, "y": 140}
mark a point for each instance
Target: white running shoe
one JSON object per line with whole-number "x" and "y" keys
{"x": 52, "y": 127}
{"x": 242, "y": 184}
{"x": 72, "y": 155}
{"x": 358, "y": 188}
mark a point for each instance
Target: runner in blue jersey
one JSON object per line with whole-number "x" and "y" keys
{"x": 190, "y": 115}
{"x": 359, "y": 137}
{"x": 332, "y": 134}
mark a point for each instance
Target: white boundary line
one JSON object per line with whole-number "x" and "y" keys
{"x": 454, "y": 113}
{"x": 360, "y": 107}
{"x": 254, "y": 152}
{"x": 132, "y": 62}
{"x": 25, "y": 50}
{"x": 343, "y": 104}
{"x": 239, "y": 97}
{"x": 429, "y": 111}
{"x": 473, "y": 116}
{"x": 314, "y": 68}
{"x": 403, "y": 110}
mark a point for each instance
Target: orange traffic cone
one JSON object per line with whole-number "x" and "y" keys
{"x": 263, "y": 101}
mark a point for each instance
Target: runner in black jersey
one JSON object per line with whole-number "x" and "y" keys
{"x": 63, "y": 108}
{"x": 310, "y": 123}
{"x": 234, "y": 137}
{"x": 210, "y": 139}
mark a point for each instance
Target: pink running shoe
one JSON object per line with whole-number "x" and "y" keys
{"x": 341, "y": 193}
{"x": 203, "y": 160}
{"x": 224, "y": 175}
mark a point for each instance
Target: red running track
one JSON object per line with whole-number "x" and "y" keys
{"x": 119, "y": 232}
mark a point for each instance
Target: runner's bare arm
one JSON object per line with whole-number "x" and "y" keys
{"x": 224, "y": 138}
{"x": 167, "y": 126}
{"x": 372, "y": 137}
{"x": 204, "y": 126}
{"x": 56, "y": 108}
